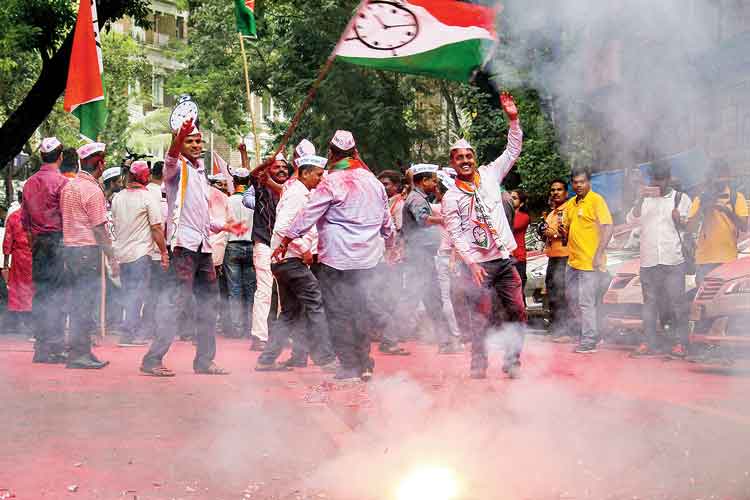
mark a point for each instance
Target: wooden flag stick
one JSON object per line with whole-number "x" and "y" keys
{"x": 249, "y": 100}
{"x": 103, "y": 300}
{"x": 316, "y": 84}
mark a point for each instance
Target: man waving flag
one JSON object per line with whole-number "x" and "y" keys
{"x": 441, "y": 38}
{"x": 84, "y": 92}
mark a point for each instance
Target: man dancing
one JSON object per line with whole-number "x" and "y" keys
{"x": 476, "y": 221}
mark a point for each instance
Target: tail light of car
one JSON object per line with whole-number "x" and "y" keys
{"x": 710, "y": 288}
{"x": 620, "y": 281}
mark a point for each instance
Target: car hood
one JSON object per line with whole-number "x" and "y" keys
{"x": 731, "y": 270}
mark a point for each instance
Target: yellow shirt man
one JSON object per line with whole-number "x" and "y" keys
{"x": 717, "y": 240}
{"x": 583, "y": 218}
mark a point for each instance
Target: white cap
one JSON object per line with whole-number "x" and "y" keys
{"x": 194, "y": 131}
{"x": 305, "y": 148}
{"x": 344, "y": 140}
{"x": 111, "y": 173}
{"x": 462, "y": 144}
{"x": 89, "y": 149}
{"x": 445, "y": 179}
{"x": 49, "y": 144}
{"x": 240, "y": 172}
{"x": 423, "y": 168}
{"x": 448, "y": 170}
{"x": 316, "y": 161}
{"x": 281, "y": 157}
{"x": 217, "y": 177}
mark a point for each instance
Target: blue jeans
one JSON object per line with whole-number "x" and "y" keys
{"x": 581, "y": 290}
{"x": 135, "y": 277}
{"x": 240, "y": 276}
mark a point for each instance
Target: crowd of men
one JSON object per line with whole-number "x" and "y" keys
{"x": 321, "y": 253}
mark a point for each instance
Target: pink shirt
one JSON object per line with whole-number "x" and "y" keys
{"x": 83, "y": 208}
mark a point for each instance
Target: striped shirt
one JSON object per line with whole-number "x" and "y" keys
{"x": 83, "y": 208}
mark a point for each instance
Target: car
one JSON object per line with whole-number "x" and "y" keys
{"x": 720, "y": 312}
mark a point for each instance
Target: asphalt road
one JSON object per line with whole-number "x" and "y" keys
{"x": 598, "y": 426}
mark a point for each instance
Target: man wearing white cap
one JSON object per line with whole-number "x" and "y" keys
{"x": 303, "y": 317}
{"x": 238, "y": 259}
{"x": 85, "y": 235}
{"x": 189, "y": 227}
{"x": 421, "y": 231}
{"x": 475, "y": 218}
{"x": 350, "y": 209}
{"x": 42, "y": 219}
{"x": 266, "y": 180}
{"x": 139, "y": 231}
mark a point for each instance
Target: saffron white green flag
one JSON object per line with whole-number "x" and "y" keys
{"x": 446, "y": 39}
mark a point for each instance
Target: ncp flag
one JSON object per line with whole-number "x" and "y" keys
{"x": 441, "y": 38}
{"x": 244, "y": 15}
{"x": 84, "y": 92}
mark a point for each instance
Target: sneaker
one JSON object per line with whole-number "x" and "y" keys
{"x": 678, "y": 352}
{"x": 641, "y": 351}
{"x": 366, "y": 375}
{"x": 52, "y": 359}
{"x": 257, "y": 345}
{"x": 295, "y": 363}
{"x": 585, "y": 349}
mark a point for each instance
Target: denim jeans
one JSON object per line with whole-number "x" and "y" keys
{"x": 497, "y": 301}
{"x": 195, "y": 276}
{"x": 664, "y": 285}
{"x": 303, "y": 317}
{"x": 84, "y": 266}
{"x": 240, "y": 276}
{"x": 135, "y": 278}
{"x": 444, "y": 280}
{"x": 345, "y": 299}
{"x": 48, "y": 276}
{"x": 554, "y": 282}
{"x": 581, "y": 290}
{"x": 160, "y": 298}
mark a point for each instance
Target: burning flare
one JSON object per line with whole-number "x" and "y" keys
{"x": 428, "y": 483}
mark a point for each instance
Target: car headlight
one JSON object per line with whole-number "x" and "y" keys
{"x": 738, "y": 286}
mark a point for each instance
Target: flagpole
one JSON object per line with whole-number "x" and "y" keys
{"x": 103, "y": 300}
{"x": 316, "y": 84}
{"x": 249, "y": 100}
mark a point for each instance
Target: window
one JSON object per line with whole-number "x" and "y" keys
{"x": 180, "y": 28}
{"x": 157, "y": 90}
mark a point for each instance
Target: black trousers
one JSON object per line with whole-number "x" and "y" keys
{"x": 554, "y": 281}
{"x": 195, "y": 275}
{"x": 47, "y": 271}
{"x": 345, "y": 299}
{"x": 422, "y": 285}
{"x": 303, "y": 317}
{"x": 84, "y": 272}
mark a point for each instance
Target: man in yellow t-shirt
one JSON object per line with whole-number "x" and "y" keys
{"x": 718, "y": 215}
{"x": 556, "y": 249}
{"x": 588, "y": 226}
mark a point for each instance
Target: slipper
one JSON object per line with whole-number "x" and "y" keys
{"x": 395, "y": 351}
{"x": 158, "y": 371}
{"x": 272, "y": 367}
{"x": 211, "y": 370}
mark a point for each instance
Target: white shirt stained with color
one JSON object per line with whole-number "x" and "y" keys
{"x": 292, "y": 201}
{"x": 237, "y": 212}
{"x": 660, "y": 241}
{"x": 134, "y": 211}
{"x": 476, "y": 240}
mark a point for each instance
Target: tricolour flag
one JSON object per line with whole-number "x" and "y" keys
{"x": 441, "y": 38}
{"x": 84, "y": 92}
{"x": 219, "y": 166}
{"x": 244, "y": 15}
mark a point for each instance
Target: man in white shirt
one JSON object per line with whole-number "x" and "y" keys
{"x": 161, "y": 280}
{"x": 238, "y": 258}
{"x": 475, "y": 218}
{"x": 139, "y": 233}
{"x": 660, "y": 212}
{"x": 303, "y": 317}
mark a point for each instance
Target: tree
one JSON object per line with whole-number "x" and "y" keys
{"x": 43, "y": 30}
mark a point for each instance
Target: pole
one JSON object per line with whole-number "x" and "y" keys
{"x": 103, "y": 300}
{"x": 249, "y": 100}
{"x": 316, "y": 84}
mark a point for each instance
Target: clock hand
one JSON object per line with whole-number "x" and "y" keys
{"x": 397, "y": 26}
{"x": 380, "y": 21}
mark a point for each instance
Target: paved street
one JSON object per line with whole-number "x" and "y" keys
{"x": 598, "y": 426}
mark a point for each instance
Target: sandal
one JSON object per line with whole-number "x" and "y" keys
{"x": 211, "y": 370}
{"x": 157, "y": 371}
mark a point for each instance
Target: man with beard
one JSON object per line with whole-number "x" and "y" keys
{"x": 475, "y": 219}
{"x": 189, "y": 226}
{"x": 350, "y": 209}
{"x": 266, "y": 181}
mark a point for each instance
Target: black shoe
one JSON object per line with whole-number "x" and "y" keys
{"x": 132, "y": 342}
{"x": 52, "y": 359}
{"x": 347, "y": 374}
{"x": 86, "y": 362}
{"x": 585, "y": 349}
{"x": 295, "y": 363}
{"x": 257, "y": 345}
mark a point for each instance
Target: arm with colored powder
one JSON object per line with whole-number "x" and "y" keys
{"x": 498, "y": 169}
{"x": 316, "y": 207}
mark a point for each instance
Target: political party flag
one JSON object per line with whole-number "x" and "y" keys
{"x": 441, "y": 38}
{"x": 219, "y": 166}
{"x": 244, "y": 16}
{"x": 84, "y": 92}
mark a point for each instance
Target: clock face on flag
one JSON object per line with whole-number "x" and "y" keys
{"x": 385, "y": 25}
{"x": 184, "y": 109}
